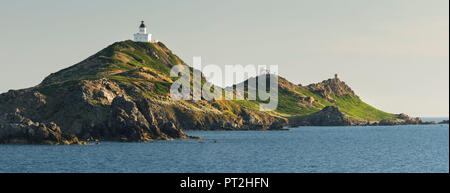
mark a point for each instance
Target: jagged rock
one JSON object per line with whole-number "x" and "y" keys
{"x": 104, "y": 110}
{"x": 255, "y": 120}
{"x": 16, "y": 129}
{"x": 388, "y": 122}
{"x": 331, "y": 86}
{"x": 328, "y": 116}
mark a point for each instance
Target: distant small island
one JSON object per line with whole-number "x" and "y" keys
{"x": 121, "y": 93}
{"x": 444, "y": 122}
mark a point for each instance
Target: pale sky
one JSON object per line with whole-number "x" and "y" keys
{"x": 393, "y": 53}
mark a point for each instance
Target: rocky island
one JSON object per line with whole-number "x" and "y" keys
{"x": 444, "y": 122}
{"x": 121, "y": 93}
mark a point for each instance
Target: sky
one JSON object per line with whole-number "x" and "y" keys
{"x": 393, "y": 53}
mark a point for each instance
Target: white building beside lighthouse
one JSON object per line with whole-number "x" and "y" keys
{"x": 142, "y": 35}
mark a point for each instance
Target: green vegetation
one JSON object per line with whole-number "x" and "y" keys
{"x": 147, "y": 67}
{"x": 289, "y": 103}
{"x": 356, "y": 108}
{"x": 352, "y": 106}
{"x": 162, "y": 88}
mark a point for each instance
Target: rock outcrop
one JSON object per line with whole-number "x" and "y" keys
{"x": 332, "y": 116}
{"x": 16, "y": 129}
{"x": 105, "y": 110}
{"x": 328, "y": 116}
{"x": 330, "y": 87}
{"x": 404, "y": 119}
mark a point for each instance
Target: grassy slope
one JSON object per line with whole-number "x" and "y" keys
{"x": 351, "y": 105}
{"x": 120, "y": 57}
{"x": 290, "y": 106}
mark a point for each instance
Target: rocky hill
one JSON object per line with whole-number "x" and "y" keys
{"x": 296, "y": 101}
{"x": 122, "y": 94}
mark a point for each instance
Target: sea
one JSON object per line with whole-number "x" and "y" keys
{"x": 356, "y": 149}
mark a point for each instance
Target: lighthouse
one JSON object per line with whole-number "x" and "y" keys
{"x": 142, "y": 35}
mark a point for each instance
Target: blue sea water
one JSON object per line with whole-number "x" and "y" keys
{"x": 414, "y": 148}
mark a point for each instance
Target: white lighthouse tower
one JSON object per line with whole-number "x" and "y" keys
{"x": 142, "y": 35}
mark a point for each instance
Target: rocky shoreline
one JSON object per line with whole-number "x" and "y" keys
{"x": 332, "y": 116}
{"x": 75, "y": 117}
